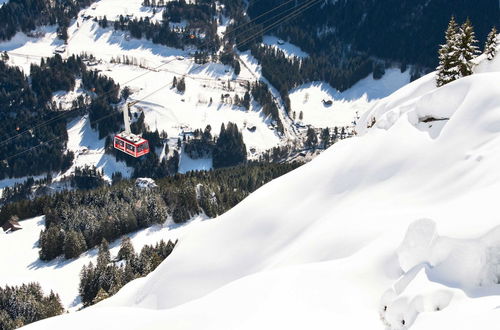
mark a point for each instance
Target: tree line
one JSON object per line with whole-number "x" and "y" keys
{"x": 200, "y": 31}
{"x": 83, "y": 218}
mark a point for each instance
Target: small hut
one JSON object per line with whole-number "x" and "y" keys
{"x": 12, "y": 225}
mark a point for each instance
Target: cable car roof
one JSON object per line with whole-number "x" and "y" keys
{"x": 131, "y": 137}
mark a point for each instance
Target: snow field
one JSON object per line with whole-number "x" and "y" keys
{"x": 289, "y": 49}
{"x": 346, "y": 105}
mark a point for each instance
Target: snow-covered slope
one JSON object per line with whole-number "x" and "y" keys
{"x": 309, "y": 99}
{"x": 394, "y": 229}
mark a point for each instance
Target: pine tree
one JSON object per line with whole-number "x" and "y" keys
{"x": 237, "y": 67}
{"x": 181, "y": 85}
{"x": 325, "y": 138}
{"x": 126, "y": 250}
{"x": 490, "y": 48}
{"x": 74, "y": 244}
{"x": 104, "y": 256}
{"x": 448, "y": 56}
{"x": 467, "y": 49}
{"x": 246, "y": 100}
{"x": 312, "y": 138}
{"x": 52, "y": 305}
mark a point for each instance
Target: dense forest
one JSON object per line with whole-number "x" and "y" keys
{"x": 108, "y": 212}
{"x": 29, "y": 147}
{"x": 26, "y": 15}
{"x": 25, "y": 304}
{"x": 110, "y": 275}
{"x": 402, "y": 31}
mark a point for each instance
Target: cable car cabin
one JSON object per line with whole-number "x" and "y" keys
{"x": 131, "y": 144}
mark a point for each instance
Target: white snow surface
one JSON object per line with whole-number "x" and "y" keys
{"x": 289, "y": 49}
{"x": 394, "y": 229}
{"x": 84, "y": 142}
{"x": 309, "y": 98}
{"x": 187, "y": 164}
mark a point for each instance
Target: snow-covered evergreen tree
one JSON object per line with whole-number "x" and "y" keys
{"x": 126, "y": 250}
{"x": 448, "y": 70}
{"x": 490, "y": 49}
{"x": 467, "y": 49}
{"x": 101, "y": 295}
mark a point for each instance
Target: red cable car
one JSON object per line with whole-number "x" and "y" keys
{"x": 129, "y": 143}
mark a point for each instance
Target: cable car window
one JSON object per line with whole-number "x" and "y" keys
{"x": 130, "y": 147}
{"x": 119, "y": 142}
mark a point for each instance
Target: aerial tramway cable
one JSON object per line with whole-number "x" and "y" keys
{"x": 296, "y": 12}
{"x": 68, "y": 112}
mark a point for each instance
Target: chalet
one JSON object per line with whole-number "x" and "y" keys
{"x": 12, "y": 225}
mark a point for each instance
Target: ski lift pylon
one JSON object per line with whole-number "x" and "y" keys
{"x": 127, "y": 142}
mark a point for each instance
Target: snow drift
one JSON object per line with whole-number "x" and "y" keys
{"x": 338, "y": 242}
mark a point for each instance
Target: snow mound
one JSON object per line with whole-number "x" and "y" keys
{"x": 479, "y": 259}
{"x": 422, "y": 102}
{"x": 435, "y": 267}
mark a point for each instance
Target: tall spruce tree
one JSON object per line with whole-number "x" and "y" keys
{"x": 103, "y": 257}
{"x": 467, "y": 49}
{"x": 448, "y": 70}
{"x": 126, "y": 251}
{"x": 74, "y": 244}
{"x": 490, "y": 48}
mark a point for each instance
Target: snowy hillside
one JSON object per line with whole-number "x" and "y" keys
{"x": 202, "y": 104}
{"x": 394, "y": 229}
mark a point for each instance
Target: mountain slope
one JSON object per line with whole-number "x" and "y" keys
{"x": 340, "y": 242}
